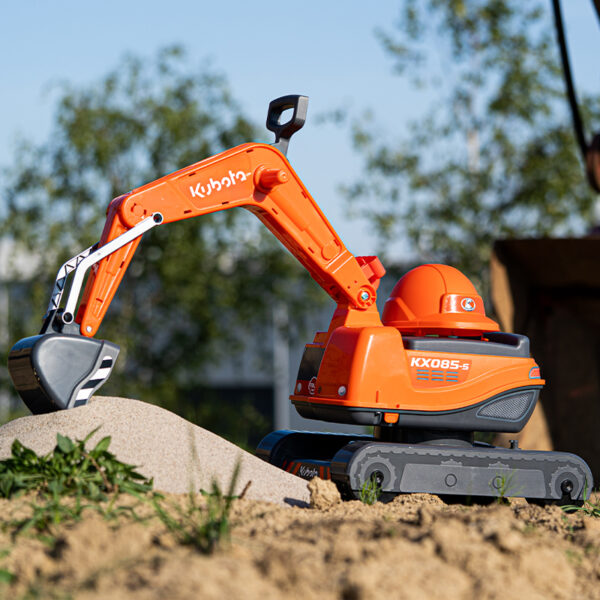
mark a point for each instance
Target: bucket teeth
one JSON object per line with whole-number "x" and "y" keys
{"x": 55, "y": 371}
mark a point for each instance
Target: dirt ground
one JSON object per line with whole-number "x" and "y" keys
{"x": 414, "y": 547}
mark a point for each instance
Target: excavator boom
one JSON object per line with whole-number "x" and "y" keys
{"x": 258, "y": 178}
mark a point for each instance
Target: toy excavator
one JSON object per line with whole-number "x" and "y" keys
{"x": 426, "y": 375}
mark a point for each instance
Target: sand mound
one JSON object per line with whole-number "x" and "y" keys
{"x": 177, "y": 453}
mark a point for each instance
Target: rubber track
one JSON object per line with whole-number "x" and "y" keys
{"x": 476, "y": 471}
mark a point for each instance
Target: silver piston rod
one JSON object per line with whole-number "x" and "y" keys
{"x": 84, "y": 260}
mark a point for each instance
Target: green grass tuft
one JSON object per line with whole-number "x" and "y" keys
{"x": 370, "y": 491}
{"x": 204, "y": 525}
{"x": 591, "y": 509}
{"x": 67, "y": 481}
{"x": 69, "y": 470}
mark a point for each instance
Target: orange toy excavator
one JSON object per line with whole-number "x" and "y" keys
{"x": 427, "y": 374}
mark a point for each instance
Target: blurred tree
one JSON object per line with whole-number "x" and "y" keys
{"x": 495, "y": 156}
{"x": 196, "y": 289}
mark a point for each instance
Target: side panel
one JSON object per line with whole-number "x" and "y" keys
{"x": 368, "y": 368}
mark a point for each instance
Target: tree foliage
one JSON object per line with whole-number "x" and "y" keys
{"x": 197, "y": 288}
{"x": 494, "y": 156}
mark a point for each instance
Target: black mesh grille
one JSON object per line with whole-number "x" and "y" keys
{"x": 511, "y": 408}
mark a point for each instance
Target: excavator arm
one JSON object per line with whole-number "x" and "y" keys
{"x": 258, "y": 178}
{"x": 63, "y": 365}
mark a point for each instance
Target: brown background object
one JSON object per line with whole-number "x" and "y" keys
{"x": 549, "y": 290}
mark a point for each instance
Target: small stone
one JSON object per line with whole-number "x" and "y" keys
{"x": 323, "y": 493}
{"x": 592, "y": 524}
{"x": 425, "y": 516}
{"x": 509, "y": 541}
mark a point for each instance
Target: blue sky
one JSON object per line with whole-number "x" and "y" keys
{"x": 326, "y": 50}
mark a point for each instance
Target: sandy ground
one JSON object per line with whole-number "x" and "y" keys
{"x": 416, "y": 547}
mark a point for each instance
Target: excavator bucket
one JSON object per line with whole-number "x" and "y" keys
{"x": 60, "y": 368}
{"x": 55, "y": 371}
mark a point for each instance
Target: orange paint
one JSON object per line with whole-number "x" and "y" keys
{"x": 253, "y": 176}
{"x": 365, "y": 364}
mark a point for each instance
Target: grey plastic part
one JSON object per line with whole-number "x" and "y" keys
{"x": 507, "y": 412}
{"x": 499, "y": 344}
{"x": 61, "y": 278}
{"x": 428, "y": 478}
{"x": 510, "y": 408}
{"x": 471, "y": 470}
{"x": 475, "y": 471}
{"x": 57, "y": 371}
{"x": 284, "y": 131}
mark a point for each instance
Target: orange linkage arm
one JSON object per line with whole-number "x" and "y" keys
{"x": 259, "y": 178}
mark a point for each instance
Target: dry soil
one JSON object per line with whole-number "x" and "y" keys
{"x": 416, "y": 547}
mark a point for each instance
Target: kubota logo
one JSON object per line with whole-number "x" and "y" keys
{"x": 467, "y": 304}
{"x": 305, "y": 471}
{"x": 216, "y": 185}
{"x": 312, "y": 386}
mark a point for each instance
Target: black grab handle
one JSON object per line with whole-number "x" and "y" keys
{"x": 284, "y": 131}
